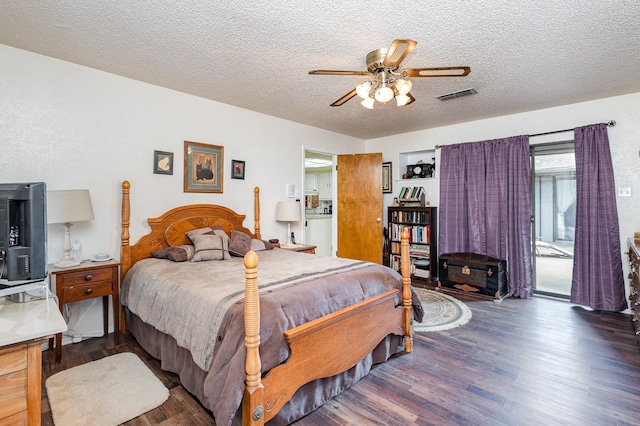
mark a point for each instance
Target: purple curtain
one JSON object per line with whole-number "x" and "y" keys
{"x": 485, "y": 204}
{"x": 597, "y": 263}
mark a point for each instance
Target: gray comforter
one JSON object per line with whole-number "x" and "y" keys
{"x": 177, "y": 299}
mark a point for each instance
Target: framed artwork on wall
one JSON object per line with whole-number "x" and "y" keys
{"x": 163, "y": 162}
{"x": 203, "y": 167}
{"x": 237, "y": 169}
{"x": 386, "y": 178}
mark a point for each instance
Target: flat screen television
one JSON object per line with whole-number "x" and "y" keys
{"x": 23, "y": 233}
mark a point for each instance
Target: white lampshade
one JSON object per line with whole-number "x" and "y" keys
{"x": 368, "y": 102}
{"x": 69, "y": 206}
{"x": 288, "y": 211}
{"x": 384, "y": 94}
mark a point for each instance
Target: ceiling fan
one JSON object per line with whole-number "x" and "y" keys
{"x": 387, "y": 82}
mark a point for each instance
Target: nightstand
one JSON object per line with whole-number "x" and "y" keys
{"x": 86, "y": 281}
{"x": 302, "y": 249}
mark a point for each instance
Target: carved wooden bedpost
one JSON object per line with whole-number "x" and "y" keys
{"x": 256, "y": 212}
{"x": 253, "y": 398}
{"x": 125, "y": 248}
{"x": 405, "y": 267}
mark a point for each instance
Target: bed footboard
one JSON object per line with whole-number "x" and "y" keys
{"x": 321, "y": 348}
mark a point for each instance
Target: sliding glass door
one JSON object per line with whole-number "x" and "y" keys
{"x": 554, "y": 217}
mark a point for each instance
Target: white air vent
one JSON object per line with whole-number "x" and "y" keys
{"x": 456, "y": 94}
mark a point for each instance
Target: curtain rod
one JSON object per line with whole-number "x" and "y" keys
{"x": 610, "y": 123}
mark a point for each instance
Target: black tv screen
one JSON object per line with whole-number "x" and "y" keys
{"x": 23, "y": 232}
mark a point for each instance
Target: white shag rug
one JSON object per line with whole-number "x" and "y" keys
{"x": 441, "y": 311}
{"x": 106, "y": 392}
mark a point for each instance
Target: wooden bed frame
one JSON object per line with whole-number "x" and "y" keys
{"x": 314, "y": 345}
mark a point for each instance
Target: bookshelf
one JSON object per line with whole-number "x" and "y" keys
{"x": 422, "y": 225}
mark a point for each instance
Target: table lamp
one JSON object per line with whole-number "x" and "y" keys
{"x": 288, "y": 211}
{"x": 68, "y": 207}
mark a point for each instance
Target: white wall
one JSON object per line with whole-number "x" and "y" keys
{"x": 74, "y": 127}
{"x": 624, "y": 140}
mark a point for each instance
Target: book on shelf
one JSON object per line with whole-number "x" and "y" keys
{"x": 412, "y": 196}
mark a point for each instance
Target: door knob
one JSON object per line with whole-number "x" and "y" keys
{"x": 378, "y": 220}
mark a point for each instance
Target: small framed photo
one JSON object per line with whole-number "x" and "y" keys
{"x": 387, "y": 185}
{"x": 237, "y": 169}
{"x": 203, "y": 164}
{"x": 162, "y": 163}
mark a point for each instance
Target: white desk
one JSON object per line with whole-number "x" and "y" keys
{"x": 20, "y": 322}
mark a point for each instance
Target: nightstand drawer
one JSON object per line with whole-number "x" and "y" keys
{"x": 83, "y": 277}
{"x": 87, "y": 291}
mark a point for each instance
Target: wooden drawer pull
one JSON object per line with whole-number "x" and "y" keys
{"x": 88, "y": 277}
{"x": 88, "y": 291}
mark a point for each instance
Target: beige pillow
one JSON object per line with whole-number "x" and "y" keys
{"x": 211, "y": 229}
{"x": 210, "y": 247}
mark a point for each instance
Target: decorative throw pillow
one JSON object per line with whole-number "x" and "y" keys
{"x": 260, "y": 245}
{"x": 176, "y": 254}
{"x": 212, "y": 230}
{"x": 240, "y": 243}
{"x": 209, "y": 247}
{"x": 215, "y": 229}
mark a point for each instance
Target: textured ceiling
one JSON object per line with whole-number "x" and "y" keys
{"x": 524, "y": 55}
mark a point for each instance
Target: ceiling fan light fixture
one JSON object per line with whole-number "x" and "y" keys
{"x": 403, "y": 86}
{"x": 384, "y": 94}
{"x": 402, "y": 100}
{"x": 363, "y": 89}
{"x": 368, "y": 102}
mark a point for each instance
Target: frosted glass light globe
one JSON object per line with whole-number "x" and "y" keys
{"x": 363, "y": 89}
{"x": 368, "y": 102}
{"x": 384, "y": 94}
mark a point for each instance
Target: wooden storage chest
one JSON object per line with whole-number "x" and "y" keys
{"x": 473, "y": 273}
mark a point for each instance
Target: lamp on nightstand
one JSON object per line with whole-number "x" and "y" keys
{"x": 288, "y": 211}
{"x": 68, "y": 207}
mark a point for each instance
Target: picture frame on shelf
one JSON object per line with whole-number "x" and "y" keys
{"x": 387, "y": 181}
{"x": 237, "y": 169}
{"x": 203, "y": 167}
{"x": 162, "y": 162}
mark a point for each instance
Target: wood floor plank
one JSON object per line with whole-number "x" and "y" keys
{"x": 539, "y": 361}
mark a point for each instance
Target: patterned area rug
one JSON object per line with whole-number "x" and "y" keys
{"x": 441, "y": 311}
{"x": 106, "y": 392}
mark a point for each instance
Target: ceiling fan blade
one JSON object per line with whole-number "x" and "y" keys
{"x": 411, "y": 99}
{"x": 334, "y": 72}
{"x": 397, "y": 52}
{"x": 438, "y": 72}
{"x": 345, "y": 98}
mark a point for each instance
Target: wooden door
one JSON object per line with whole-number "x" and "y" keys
{"x": 359, "y": 206}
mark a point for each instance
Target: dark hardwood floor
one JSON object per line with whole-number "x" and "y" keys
{"x": 539, "y": 361}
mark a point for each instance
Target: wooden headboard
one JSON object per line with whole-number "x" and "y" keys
{"x": 170, "y": 228}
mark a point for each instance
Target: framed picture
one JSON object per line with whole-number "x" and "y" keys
{"x": 203, "y": 167}
{"x": 162, "y": 163}
{"x": 237, "y": 169}
{"x": 386, "y": 178}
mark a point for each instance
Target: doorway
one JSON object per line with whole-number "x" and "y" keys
{"x": 553, "y": 170}
{"x": 318, "y": 201}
